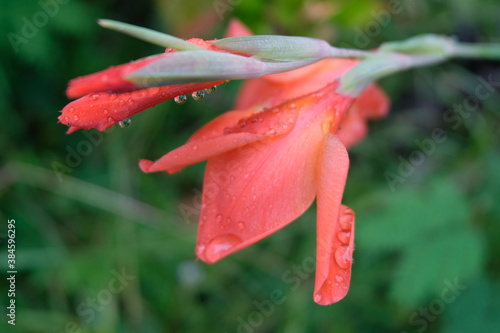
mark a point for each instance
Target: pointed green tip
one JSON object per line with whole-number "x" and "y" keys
{"x": 148, "y": 35}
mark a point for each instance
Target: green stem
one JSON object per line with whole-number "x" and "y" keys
{"x": 479, "y": 51}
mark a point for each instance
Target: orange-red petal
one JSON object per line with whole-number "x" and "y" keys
{"x": 251, "y": 192}
{"x": 102, "y": 110}
{"x": 110, "y": 79}
{"x": 335, "y": 225}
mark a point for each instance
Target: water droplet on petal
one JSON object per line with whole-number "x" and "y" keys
{"x": 346, "y": 219}
{"x": 110, "y": 119}
{"x": 293, "y": 106}
{"x": 125, "y": 123}
{"x": 131, "y": 101}
{"x": 105, "y": 111}
{"x": 228, "y": 220}
{"x": 195, "y": 147}
{"x": 154, "y": 90}
{"x": 71, "y": 109}
{"x": 271, "y": 131}
{"x": 339, "y": 278}
{"x": 318, "y": 298}
{"x": 198, "y": 95}
{"x": 344, "y": 237}
{"x": 211, "y": 90}
{"x": 94, "y": 97}
{"x": 221, "y": 245}
{"x": 343, "y": 257}
{"x": 181, "y": 99}
{"x": 241, "y": 225}
{"x": 218, "y": 218}
{"x": 121, "y": 102}
{"x": 75, "y": 117}
{"x": 112, "y": 97}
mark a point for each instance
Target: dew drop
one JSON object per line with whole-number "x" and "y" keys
{"x": 218, "y": 218}
{"x": 339, "y": 278}
{"x": 228, "y": 220}
{"x": 241, "y": 225}
{"x": 71, "y": 109}
{"x": 198, "y": 95}
{"x": 125, "y": 123}
{"x": 343, "y": 257}
{"x": 344, "y": 237}
{"x": 130, "y": 101}
{"x": 94, "y": 97}
{"x": 211, "y": 90}
{"x": 293, "y": 106}
{"x": 121, "y": 102}
{"x": 164, "y": 94}
{"x": 318, "y": 298}
{"x": 181, "y": 99}
{"x": 271, "y": 131}
{"x": 75, "y": 117}
{"x": 112, "y": 97}
{"x": 110, "y": 119}
{"x": 220, "y": 245}
{"x": 105, "y": 111}
{"x": 154, "y": 90}
{"x": 66, "y": 118}
{"x": 195, "y": 147}
{"x": 346, "y": 219}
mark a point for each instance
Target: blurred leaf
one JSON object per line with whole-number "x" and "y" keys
{"x": 427, "y": 264}
{"x": 476, "y": 310}
{"x": 395, "y": 220}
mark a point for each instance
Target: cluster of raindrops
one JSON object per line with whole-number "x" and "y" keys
{"x": 343, "y": 254}
{"x": 197, "y": 95}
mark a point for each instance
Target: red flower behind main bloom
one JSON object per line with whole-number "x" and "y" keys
{"x": 270, "y": 158}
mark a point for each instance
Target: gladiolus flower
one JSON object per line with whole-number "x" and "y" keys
{"x": 283, "y": 146}
{"x": 271, "y": 157}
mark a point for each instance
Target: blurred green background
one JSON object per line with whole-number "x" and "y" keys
{"x": 102, "y": 247}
